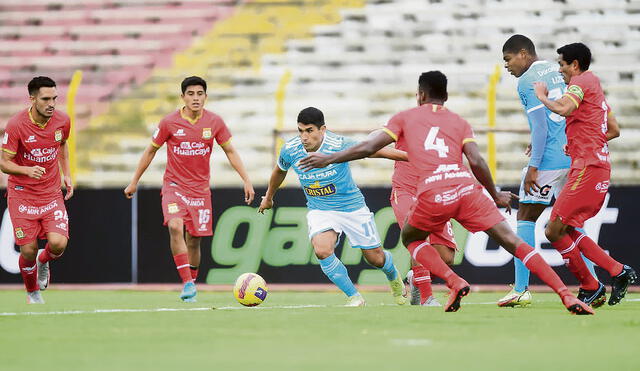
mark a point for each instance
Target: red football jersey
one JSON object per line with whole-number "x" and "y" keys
{"x": 34, "y": 144}
{"x": 434, "y": 139}
{"x": 405, "y": 175}
{"x": 587, "y": 124}
{"x": 189, "y": 145}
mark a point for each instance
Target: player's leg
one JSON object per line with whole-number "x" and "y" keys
{"x": 53, "y": 250}
{"x": 503, "y": 234}
{"x": 323, "y": 246}
{"x": 28, "y": 270}
{"x": 418, "y": 277}
{"x": 193, "y": 253}
{"x": 178, "y": 247}
{"x": 383, "y": 260}
{"x": 415, "y": 240}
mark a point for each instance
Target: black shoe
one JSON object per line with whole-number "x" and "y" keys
{"x": 594, "y": 298}
{"x": 620, "y": 283}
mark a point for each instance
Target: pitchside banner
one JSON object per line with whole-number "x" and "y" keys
{"x": 276, "y": 244}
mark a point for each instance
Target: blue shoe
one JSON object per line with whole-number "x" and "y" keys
{"x": 188, "y": 294}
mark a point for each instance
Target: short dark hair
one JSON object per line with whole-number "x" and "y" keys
{"x": 576, "y": 52}
{"x": 311, "y": 116}
{"x": 191, "y": 81}
{"x": 40, "y": 82}
{"x": 434, "y": 83}
{"x": 518, "y": 42}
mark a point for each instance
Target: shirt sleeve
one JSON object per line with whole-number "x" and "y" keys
{"x": 539, "y": 131}
{"x": 467, "y": 133}
{"x": 66, "y": 130}
{"x": 528, "y": 97}
{"x": 223, "y": 135}
{"x": 284, "y": 163}
{"x": 161, "y": 135}
{"x": 348, "y": 143}
{"x": 575, "y": 90}
{"x": 394, "y": 126}
{"x": 11, "y": 139}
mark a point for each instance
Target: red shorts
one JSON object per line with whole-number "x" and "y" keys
{"x": 582, "y": 196}
{"x": 33, "y": 219}
{"x": 465, "y": 203}
{"x": 195, "y": 212}
{"x": 401, "y": 202}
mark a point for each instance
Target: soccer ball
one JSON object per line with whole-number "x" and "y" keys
{"x": 250, "y": 289}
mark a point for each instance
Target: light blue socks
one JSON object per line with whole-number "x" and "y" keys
{"x": 526, "y": 231}
{"x": 388, "y": 268}
{"x": 337, "y": 273}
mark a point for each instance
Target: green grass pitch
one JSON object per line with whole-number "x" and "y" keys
{"x": 309, "y": 331}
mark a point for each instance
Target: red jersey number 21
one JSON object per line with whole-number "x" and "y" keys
{"x": 436, "y": 144}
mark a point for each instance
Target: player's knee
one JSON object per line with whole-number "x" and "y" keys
{"x": 552, "y": 232}
{"x": 322, "y": 253}
{"x": 57, "y": 244}
{"x": 374, "y": 257}
{"x": 176, "y": 227}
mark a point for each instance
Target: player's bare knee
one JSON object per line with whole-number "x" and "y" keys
{"x": 176, "y": 227}
{"x": 29, "y": 252}
{"x": 322, "y": 253}
{"x": 375, "y": 257}
{"x": 58, "y": 246}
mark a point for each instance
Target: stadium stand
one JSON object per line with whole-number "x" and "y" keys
{"x": 357, "y": 61}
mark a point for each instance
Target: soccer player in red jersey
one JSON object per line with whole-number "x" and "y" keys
{"x": 436, "y": 140}
{"x": 186, "y": 196}
{"x": 403, "y": 195}
{"x": 588, "y": 115}
{"x": 34, "y": 149}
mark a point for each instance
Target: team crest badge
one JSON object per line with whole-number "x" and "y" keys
{"x": 58, "y": 135}
{"x": 172, "y": 208}
{"x": 206, "y": 133}
{"x": 19, "y": 233}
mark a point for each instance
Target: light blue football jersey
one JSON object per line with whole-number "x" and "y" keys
{"x": 329, "y": 188}
{"x": 552, "y": 157}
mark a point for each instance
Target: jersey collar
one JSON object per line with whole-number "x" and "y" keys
{"x": 33, "y": 121}
{"x": 191, "y": 121}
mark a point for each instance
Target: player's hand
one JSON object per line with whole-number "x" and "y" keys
{"x": 69, "y": 186}
{"x": 130, "y": 190}
{"x": 540, "y": 88}
{"x": 527, "y": 152}
{"x": 531, "y": 181}
{"x": 565, "y": 148}
{"x": 265, "y": 204}
{"x": 249, "y": 193}
{"x": 313, "y": 161}
{"x": 503, "y": 199}
{"x": 35, "y": 172}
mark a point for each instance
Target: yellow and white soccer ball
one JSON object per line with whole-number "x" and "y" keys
{"x": 250, "y": 289}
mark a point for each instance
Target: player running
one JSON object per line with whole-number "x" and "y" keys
{"x": 186, "y": 196}
{"x": 34, "y": 150}
{"x": 436, "y": 139}
{"x": 548, "y": 167}
{"x": 335, "y": 204}
{"x": 587, "y": 113}
{"x": 403, "y": 195}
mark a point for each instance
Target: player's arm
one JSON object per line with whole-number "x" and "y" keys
{"x": 360, "y": 150}
{"x": 145, "y": 160}
{"x": 613, "y": 130}
{"x": 9, "y": 167}
{"x": 236, "y": 162}
{"x": 391, "y": 154}
{"x": 481, "y": 172}
{"x": 539, "y": 132}
{"x": 563, "y": 106}
{"x": 65, "y": 167}
{"x": 277, "y": 177}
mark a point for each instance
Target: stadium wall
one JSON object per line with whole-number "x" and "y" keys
{"x": 275, "y": 244}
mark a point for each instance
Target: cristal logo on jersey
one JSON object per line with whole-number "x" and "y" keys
{"x": 316, "y": 190}
{"x": 58, "y": 135}
{"x": 206, "y": 133}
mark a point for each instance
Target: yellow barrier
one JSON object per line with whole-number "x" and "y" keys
{"x": 71, "y": 106}
{"x": 491, "y": 117}
{"x": 280, "y": 97}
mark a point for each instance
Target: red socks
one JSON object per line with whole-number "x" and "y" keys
{"x": 430, "y": 259}
{"x": 422, "y": 280}
{"x": 567, "y": 248}
{"x": 540, "y": 268}
{"x": 194, "y": 272}
{"x": 29, "y": 274}
{"x": 595, "y": 253}
{"x": 182, "y": 265}
{"x": 47, "y": 255}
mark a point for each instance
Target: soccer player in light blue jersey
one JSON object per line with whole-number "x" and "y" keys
{"x": 548, "y": 166}
{"x": 335, "y": 204}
